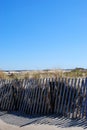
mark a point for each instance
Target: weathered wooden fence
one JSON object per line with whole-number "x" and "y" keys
{"x": 66, "y": 97}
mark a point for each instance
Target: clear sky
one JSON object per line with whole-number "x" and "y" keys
{"x": 41, "y": 34}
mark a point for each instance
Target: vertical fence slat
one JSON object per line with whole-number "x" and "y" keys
{"x": 76, "y": 99}
{"x": 66, "y": 98}
{"x": 59, "y": 100}
{"x": 63, "y": 98}
{"x": 72, "y": 98}
{"x": 57, "y": 96}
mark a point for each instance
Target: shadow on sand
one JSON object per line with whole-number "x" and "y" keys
{"x": 20, "y": 119}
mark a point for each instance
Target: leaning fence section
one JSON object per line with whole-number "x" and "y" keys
{"x": 66, "y": 97}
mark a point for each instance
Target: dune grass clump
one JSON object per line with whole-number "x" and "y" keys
{"x": 2, "y": 75}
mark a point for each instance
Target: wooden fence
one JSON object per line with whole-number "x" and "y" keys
{"x": 65, "y": 97}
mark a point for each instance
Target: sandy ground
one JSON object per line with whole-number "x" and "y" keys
{"x": 4, "y": 126}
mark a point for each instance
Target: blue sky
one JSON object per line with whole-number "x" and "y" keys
{"x": 41, "y": 34}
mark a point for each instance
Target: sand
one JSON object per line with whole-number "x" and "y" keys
{"x": 5, "y": 126}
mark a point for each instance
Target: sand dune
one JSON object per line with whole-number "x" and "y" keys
{"x": 4, "y": 126}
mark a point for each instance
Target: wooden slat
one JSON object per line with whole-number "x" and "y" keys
{"x": 85, "y": 99}
{"x": 86, "y": 95}
{"x": 76, "y": 99}
{"x": 43, "y": 99}
{"x": 28, "y": 98}
{"x": 33, "y": 109}
{"x": 41, "y": 109}
{"x": 63, "y": 97}
{"x": 69, "y": 96}
{"x": 79, "y": 97}
{"x": 59, "y": 100}
{"x": 73, "y": 98}
{"x": 66, "y": 98}
{"x": 57, "y": 96}
{"x": 36, "y": 100}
